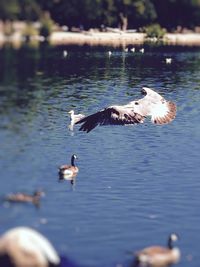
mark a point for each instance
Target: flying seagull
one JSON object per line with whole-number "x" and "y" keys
{"x": 152, "y": 104}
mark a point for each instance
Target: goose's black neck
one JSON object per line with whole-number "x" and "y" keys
{"x": 72, "y": 161}
{"x": 169, "y": 243}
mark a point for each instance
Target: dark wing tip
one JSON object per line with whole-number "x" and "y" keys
{"x": 90, "y": 122}
{"x": 81, "y": 120}
{"x": 87, "y": 127}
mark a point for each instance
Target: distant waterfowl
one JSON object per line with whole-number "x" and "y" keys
{"x": 126, "y": 49}
{"x": 25, "y": 247}
{"x": 65, "y": 53}
{"x": 75, "y": 117}
{"x": 158, "y": 256}
{"x": 25, "y": 198}
{"x": 68, "y": 172}
{"x": 142, "y": 50}
{"x": 132, "y": 49}
{"x": 152, "y": 104}
{"x": 109, "y": 53}
{"x": 168, "y": 60}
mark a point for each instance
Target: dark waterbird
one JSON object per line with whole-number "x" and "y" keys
{"x": 152, "y": 104}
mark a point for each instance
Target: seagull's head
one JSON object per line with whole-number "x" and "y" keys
{"x": 71, "y": 112}
{"x": 150, "y": 93}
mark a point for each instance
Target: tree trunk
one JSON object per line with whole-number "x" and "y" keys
{"x": 124, "y": 22}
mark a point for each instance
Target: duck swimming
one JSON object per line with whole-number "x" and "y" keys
{"x": 25, "y": 198}
{"x": 23, "y": 246}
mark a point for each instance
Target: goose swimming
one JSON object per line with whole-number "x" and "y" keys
{"x": 68, "y": 172}
{"x": 152, "y": 104}
{"x": 158, "y": 256}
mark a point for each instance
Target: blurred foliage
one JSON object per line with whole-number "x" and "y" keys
{"x": 29, "y": 30}
{"x": 154, "y": 30}
{"x": 19, "y": 10}
{"x": 46, "y": 25}
{"x": 114, "y": 13}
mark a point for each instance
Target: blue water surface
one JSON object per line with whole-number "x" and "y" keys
{"x": 136, "y": 184}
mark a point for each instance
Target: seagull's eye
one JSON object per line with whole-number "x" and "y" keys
{"x": 136, "y": 103}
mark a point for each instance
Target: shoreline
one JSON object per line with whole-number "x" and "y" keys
{"x": 97, "y": 39}
{"x": 122, "y": 39}
{"x": 112, "y": 39}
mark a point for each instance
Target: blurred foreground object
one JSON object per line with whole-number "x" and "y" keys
{"x": 24, "y": 247}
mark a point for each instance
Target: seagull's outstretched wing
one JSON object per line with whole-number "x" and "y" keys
{"x": 113, "y": 115}
{"x": 152, "y": 104}
{"x": 78, "y": 117}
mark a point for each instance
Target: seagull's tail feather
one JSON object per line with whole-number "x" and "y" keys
{"x": 168, "y": 116}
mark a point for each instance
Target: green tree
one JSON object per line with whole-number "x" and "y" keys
{"x": 29, "y": 10}
{"x": 93, "y": 13}
{"x": 74, "y": 12}
{"x": 173, "y": 13}
{"x": 19, "y": 10}
{"x": 9, "y": 9}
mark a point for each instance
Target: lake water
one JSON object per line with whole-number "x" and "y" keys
{"x": 136, "y": 184}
